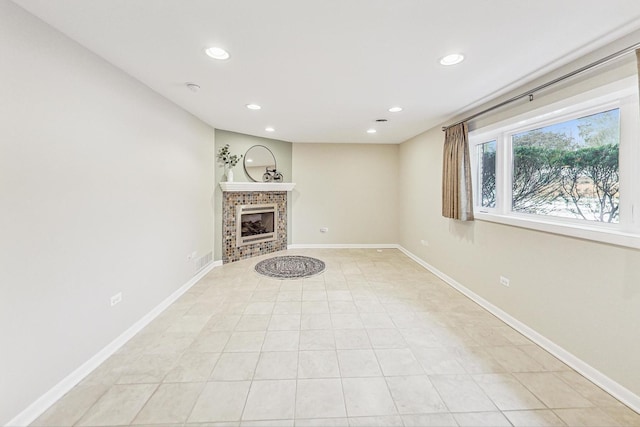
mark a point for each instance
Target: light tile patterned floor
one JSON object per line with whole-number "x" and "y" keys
{"x": 375, "y": 340}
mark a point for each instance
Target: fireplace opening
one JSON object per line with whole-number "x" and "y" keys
{"x": 252, "y": 224}
{"x": 256, "y": 224}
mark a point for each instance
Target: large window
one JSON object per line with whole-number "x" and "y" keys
{"x": 569, "y": 169}
{"x": 564, "y": 167}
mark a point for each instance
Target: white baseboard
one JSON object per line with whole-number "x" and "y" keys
{"x": 343, "y": 246}
{"x": 37, "y": 408}
{"x": 621, "y": 393}
{"x": 607, "y": 384}
{"x": 610, "y": 386}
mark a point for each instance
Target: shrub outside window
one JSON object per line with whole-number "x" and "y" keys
{"x": 486, "y": 176}
{"x": 569, "y": 169}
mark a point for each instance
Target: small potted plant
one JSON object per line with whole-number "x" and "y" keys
{"x": 228, "y": 160}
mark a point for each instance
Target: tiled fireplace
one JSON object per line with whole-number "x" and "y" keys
{"x": 254, "y": 221}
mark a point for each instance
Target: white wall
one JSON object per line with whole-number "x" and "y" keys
{"x": 582, "y": 295}
{"x": 349, "y": 188}
{"x": 105, "y": 187}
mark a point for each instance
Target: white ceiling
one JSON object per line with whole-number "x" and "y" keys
{"x": 324, "y": 70}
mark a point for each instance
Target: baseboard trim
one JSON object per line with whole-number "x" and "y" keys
{"x": 343, "y": 246}
{"x": 37, "y": 408}
{"x": 617, "y": 390}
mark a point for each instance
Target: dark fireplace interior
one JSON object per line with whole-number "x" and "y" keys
{"x": 257, "y": 223}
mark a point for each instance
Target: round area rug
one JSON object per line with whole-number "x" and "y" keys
{"x": 290, "y": 267}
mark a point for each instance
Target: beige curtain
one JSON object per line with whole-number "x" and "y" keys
{"x": 457, "y": 200}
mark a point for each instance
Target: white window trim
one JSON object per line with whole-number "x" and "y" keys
{"x": 622, "y": 94}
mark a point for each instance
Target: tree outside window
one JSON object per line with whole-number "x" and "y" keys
{"x": 569, "y": 169}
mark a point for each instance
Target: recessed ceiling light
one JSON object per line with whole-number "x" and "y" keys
{"x": 395, "y": 109}
{"x": 253, "y": 106}
{"x": 453, "y": 59}
{"x": 269, "y": 129}
{"x": 371, "y": 131}
{"x": 217, "y": 53}
{"x": 193, "y": 87}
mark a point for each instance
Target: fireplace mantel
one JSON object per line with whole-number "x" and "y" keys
{"x": 257, "y": 186}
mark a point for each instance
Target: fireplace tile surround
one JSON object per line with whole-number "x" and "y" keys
{"x": 230, "y": 201}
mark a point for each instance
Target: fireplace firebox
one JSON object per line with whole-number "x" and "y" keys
{"x": 256, "y": 224}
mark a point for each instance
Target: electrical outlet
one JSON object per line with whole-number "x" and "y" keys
{"x": 324, "y": 229}
{"x": 504, "y": 281}
{"x": 424, "y": 243}
{"x": 116, "y": 299}
{"x": 192, "y": 255}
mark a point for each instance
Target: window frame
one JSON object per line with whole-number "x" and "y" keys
{"x": 622, "y": 94}
{"x": 477, "y": 192}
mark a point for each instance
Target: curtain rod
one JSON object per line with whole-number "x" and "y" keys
{"x": 530, "y": 93}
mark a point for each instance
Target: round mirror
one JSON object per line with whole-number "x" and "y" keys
{"x": 258, "y": 162}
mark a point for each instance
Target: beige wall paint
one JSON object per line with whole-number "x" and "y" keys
{"x": 105, "y": 187}
{"x": 239, "y": 144}
{"x": 349, "y": 188}
{"x": 582, "y": 295}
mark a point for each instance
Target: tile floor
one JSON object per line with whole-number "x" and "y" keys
{"x": 376, "y": 340}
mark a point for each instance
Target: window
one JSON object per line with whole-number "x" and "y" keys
{"x": 486, "y": 174}
{"x": 567, "y": 168}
